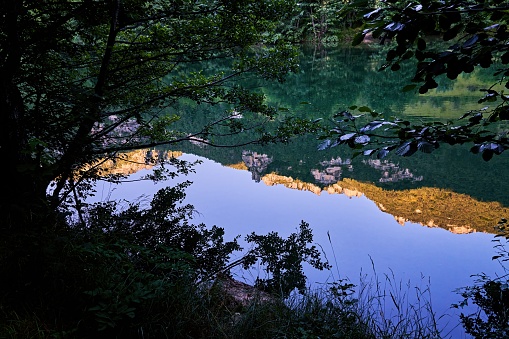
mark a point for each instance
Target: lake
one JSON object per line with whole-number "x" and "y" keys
{"x": 426, "y": 220}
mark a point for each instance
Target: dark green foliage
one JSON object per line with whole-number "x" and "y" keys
{"x": 83, "y": 81}
{"x": 476, "y": 36}
{"x": 490, "y": 295}
{"x": 283, "y": 259}
{"x": 492, "y": 317}
{"x": 122, "y": 270}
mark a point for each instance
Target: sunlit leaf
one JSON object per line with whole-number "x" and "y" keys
{"x": 373, "y": 14}
{"x": 371, "y": 126}
{"x": 362, "y": 139}
{"x": 425, "y": 147}
{"x": 324, "y": 145}
{"x": 347, "y": 136}
{"x": 407, "y": 149}
{"x": 382, "y": 153}
{"x": 394, "y": 26}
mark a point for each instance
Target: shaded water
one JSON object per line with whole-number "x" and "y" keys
{"x": 428, "y": 218}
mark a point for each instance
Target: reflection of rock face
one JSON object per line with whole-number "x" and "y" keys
{"x": 256, "y": 163}
{"x": 240, "y": 166}
{"x": 430, "y": 207}
{"x": 431, "y": 223}
{"x": 275, "y": 179}
{"x": 327, "y": 176}
{"x": 135, "y": 161}
{"x": 434, "y": 207}
{"x": 391, "y": 172}
{"x": 332, "y": 171}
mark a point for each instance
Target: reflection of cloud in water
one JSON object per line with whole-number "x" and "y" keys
{"x": 392, "y": 172}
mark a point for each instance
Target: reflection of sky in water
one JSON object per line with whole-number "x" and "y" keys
{"x": 358, "y": 230}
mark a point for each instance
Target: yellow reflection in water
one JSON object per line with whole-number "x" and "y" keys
{"x": 431, "y": 207}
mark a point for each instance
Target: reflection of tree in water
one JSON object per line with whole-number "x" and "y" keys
{"x": 392, "y": 172}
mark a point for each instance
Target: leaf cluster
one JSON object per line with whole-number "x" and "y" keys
{"x": 283, "y": 259}
{"x": 478, "y": 36}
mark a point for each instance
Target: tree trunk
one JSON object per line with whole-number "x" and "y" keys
{"x": 23, "y": 193}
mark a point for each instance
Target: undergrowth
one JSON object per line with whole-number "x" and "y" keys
{"x": 148, "y": 272}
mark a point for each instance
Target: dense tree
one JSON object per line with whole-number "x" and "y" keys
{"x": 441, "y": 38}
{"x": 80, "y": 83}
{"x": 83, "y": 80}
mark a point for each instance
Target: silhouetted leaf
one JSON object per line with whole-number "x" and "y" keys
{"x": 421, "y": 44}
{"x": 465, "y": 115}
{"x": 487, "y": 155}
{"x": 357, "y": 39}
{"x": 408, "y": 88}
{"x": 364, "y": 109}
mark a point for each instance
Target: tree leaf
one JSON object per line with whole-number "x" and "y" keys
{"x": 406, "y": 149}
{"x": 382, "y": 153}
{"x": 425, "y": 146}
{"x": 371, "y": 126}
{"x": 362, "y": 139}
{"x": 421, "y": 44}
{"x": 357, "y": 39}
{"x": 364, "y": 109}
{"x": 471, "y": 41}
{"x": 487, "y": 155}
{"x": 408, "y": 88}
{"x": 347, "y": 136}
{"x": 373, "y": 14}
{"x": 324, "y": 145}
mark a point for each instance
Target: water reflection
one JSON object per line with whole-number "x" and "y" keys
{"x": 361, "y": 233}
{"x": 447, "y": 201}
{"x": 392, "y": 172}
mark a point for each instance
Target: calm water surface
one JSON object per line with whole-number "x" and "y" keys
{"x": 422, "y": 219}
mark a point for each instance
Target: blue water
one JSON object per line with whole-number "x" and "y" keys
{"x": 364, "y": 241}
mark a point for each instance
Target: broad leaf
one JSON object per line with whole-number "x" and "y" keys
{"x": 347, "y": 136}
